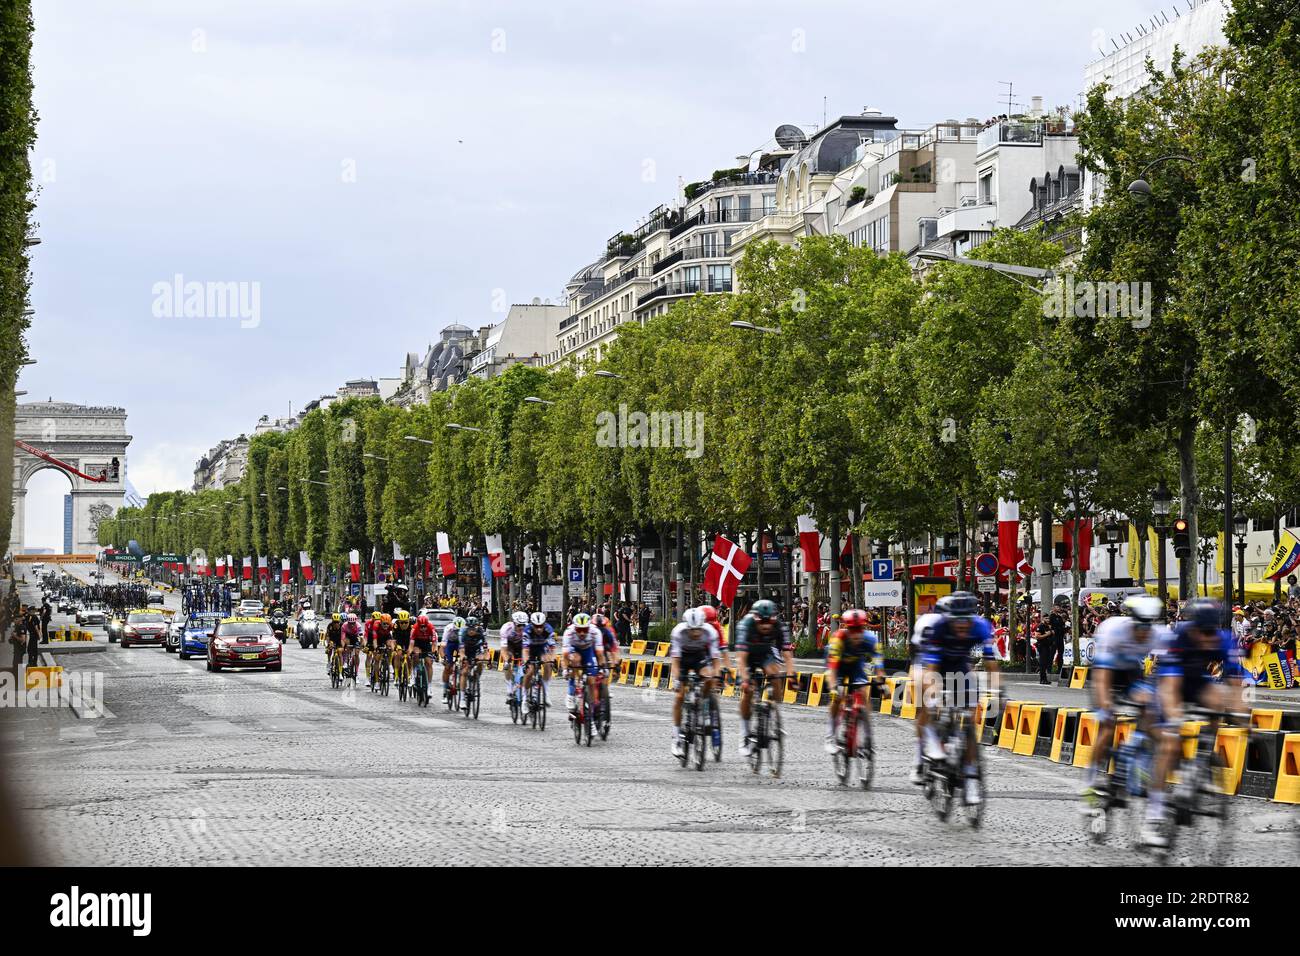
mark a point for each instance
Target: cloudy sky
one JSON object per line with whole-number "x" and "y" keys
{"x": 377, "y": 169}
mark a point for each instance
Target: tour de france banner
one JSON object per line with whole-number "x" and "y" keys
{"x": 1286, "y": 557}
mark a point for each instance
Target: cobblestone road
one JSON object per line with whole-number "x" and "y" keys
{"x": 258, "y": 768}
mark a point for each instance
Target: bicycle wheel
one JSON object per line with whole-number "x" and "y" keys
{"x": 605, "y": 717}
{"x": 474, "y": 696}
{"x": 541, "y": 709}
{"x": 1210, "y": 826}
{"x": 576, "y": 719}
{"x": 775, "y": 742}
{"x": 939, "y": 789}
{"x": 699, "y": 741}
{"x": 758, "y": 736}
{"x": 715, "y": 728}
{"x": 384, "y": 679}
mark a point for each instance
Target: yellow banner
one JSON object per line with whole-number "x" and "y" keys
{"x": 1153, "y": 550}
{"x": 1134, "y": 550}
{"x": 1273, "y": 669}
{"x": 1218, "y": 555}
{"x": 1286, "y": 557}
{"x": 1254, "y": 661}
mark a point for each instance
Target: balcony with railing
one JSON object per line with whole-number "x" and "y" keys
{"x": 774, "y": 222}
{"x": 712, "y": 217}
{"x": 762, "y": 177}
{"x": 1021, "y": 132}
{"x": 686, "y": 287}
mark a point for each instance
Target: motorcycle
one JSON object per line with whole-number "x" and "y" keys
{"x": 280, "y": 627}
{"x": 308, "y": 631}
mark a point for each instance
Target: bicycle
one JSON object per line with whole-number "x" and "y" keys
{"x": 581, "y": 718}
{"x": 697, "y": 721}
{"x": 420, "y": 682}
{"x": 944, "y": 777}
{"x": 536, "y": 697}
{"x": 515, "y": 697}
{"x": 470, "y": 669}
{"x": 855, "y": 757}
{"x": 401, "y": 674}
{"x": 451, "y": 693}
{"x": 1128, "y": 782}
{"x": 335, "y": 667}
{"x": 1202, "y": 793}
{"x": 603, "y": 716}
{"x": 380, "y": 675}
{"x": 766, "y": 737}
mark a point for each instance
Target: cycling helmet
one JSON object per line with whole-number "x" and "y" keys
{"x": 424, "y": 618}
{"x": 353, "y": 617}
{"x": 458, "y": 622}
{"x": 520, "y": 618}
{"x": 376, "y": 615}
{"x": 941, "y": 605}
{"x": 764, "y": 610}
{"x": 581, "y": 620}
{"x": 538, "y": 618}
{"x": 1204, "y": 613}
{"x": 337, "y": 616}
{"x": 710, "y": 613}
{"x": 403, "y": 615}
{"x": 471, "y": 622}
{"x": 387, "y": 619}
{"x": 694, "y": 618}
{"x": 854, "y": 617}
{"x": 962, "y": 604}
{"x": 1143, "y": 608}
{"x": 599, "y": 620}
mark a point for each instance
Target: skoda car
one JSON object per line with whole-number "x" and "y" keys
{"x": 244, "y": 642}
{"x": 197, "y": 632}
{"x": 144, "y": 627}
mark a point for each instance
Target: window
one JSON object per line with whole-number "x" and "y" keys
{"x": 691, "y": 279}
{"x": 986, "y": 187}
{"x": 709, "y": 244}
{"x": 769, "y": 203}
{"x": 743, "y": 214}
{"x": 719, "y": 279}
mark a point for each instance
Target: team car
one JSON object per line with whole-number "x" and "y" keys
{"x": 92, "y": 614}
{"x": 144, "y": 627}
{"x": 196, "y": 633}
{"x": 244, "y": 642}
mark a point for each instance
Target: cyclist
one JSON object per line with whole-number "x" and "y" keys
{"x": 473, "y": 647}
{"x": 1122, "y": 645}
{"x": 925, "y": 624}
{"x": 946, "y": 655}
{"x": 762, "y": 644}
{"x": 400, "y": 634}
{"x": 847, "y": 655}
{"x": 694, "y": 647}
{"x": 450, "y": 647}
{"x": 540, "y": 637}
{"x": 1200, "y": 664}
{"x": 333, "y": 634}
{"x": 512, "y": 651}
{"x": 422, "y": 636}
{"x": 582, "y": 652}
{"x": 351, "y": 642}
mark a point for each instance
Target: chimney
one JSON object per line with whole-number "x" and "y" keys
{"x": 1036, "y": 106}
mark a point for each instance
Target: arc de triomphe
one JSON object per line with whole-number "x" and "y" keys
{"x": 86, "y": 437}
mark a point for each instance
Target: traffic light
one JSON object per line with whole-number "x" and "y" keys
{"x": 1182, "y": 539}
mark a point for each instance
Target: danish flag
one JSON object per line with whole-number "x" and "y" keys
{"x": 727, "y": 566}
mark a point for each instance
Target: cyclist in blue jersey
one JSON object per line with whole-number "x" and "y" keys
{"x": 1200, "y": 665}
{"x": 946, "y": 651}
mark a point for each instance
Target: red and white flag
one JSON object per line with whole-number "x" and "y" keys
{"x": 263, "y": 570}
{"x": 1085, "y": 543}
{"x": 285, "y": 571}
{"x": 727, "y": 566}
{"x": 248, "y": 568}
{"x": 428, "y": 568}
{"x": 304, "y": 566}
{"x": 1023, "y": 567}
{"x": 399, "y": 561}
{"x": 1008, "y": 533}
{"x": 230, "y": 565}
{"x": 221, "y": 567}
{"x": 810, "y": 543}
{"x": 354, "y": 560}
{"x": 495, "y": 555}
{"x": 446, "y": 560}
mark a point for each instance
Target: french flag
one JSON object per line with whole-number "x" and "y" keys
{"x": 304, "y": 565}
{"x": 263, "y": 570}
{"x": 248, "y": 569}
{"x": 810, "y": 543}
{"x": 354, "y": 560}
{"x": 446, "y": 560}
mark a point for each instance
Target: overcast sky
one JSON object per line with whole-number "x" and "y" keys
{"x": 380, "y": 168}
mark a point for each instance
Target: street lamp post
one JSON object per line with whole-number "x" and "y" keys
{"x": 988, "y": 523}
{"x": 1160, "y": 502}
{"x": 1111, "y": 530}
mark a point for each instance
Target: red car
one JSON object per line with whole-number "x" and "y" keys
{"x": 144, "y": 627}
{"x": 244, "y": 642}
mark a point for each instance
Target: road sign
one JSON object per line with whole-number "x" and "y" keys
{"x": 575, "y": 576}
{"x": 988, "y": 583}
{"x": 882, "y": 569}
{"x": 552, "y": 598}
{"x": 986, "y": 564}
